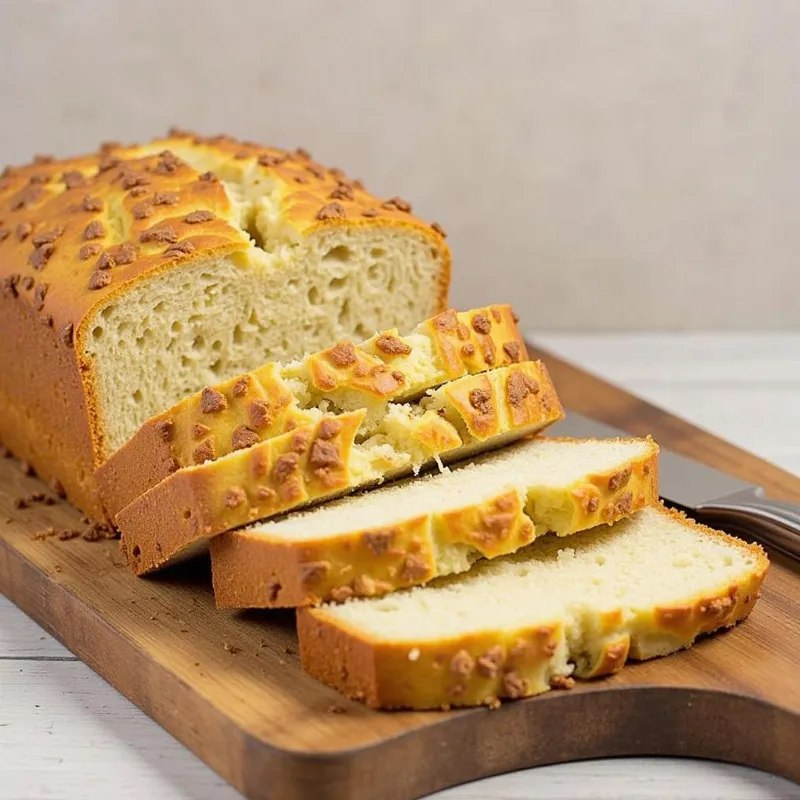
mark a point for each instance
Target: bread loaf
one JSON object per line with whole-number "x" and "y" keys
{"x": 137, "y": 275}
{"x": 331, "y": 457}
{"x": 521, "y": 624}
{"x": 410, "y": 532}
{"x": 277, "y": 397}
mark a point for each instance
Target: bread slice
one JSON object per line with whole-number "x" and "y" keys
{"x": 521, "y": 624}
{"x": 138, "y": 274}
{"x": 408, "y": 533}
{"x": 278, "y": 396}
{"x": 332, "y": 457}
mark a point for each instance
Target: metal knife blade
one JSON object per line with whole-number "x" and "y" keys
{"x": 708, "y": 494}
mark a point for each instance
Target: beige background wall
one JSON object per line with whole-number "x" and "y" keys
{"x": 602, "y": 164}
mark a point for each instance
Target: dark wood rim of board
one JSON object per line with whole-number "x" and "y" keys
{"x": 682, "y": 722}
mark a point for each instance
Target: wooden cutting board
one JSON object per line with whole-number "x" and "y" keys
{"x": 229, "y": 686}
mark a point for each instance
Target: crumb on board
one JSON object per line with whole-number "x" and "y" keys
{"x": 232, "y": 649}
{"x": 336, "y": 709}
{"x": 95, "y": 532}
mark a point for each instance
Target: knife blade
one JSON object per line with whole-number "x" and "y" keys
{"x": 708, "y": 494}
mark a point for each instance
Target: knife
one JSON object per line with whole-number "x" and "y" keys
{"x": 707, "y": 494}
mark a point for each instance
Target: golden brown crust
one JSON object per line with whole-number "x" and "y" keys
{"x": 444, "y": 673}
{"x": 469, "y": 348}
{"x": 76, "y": 234}
{"x": 256, "y": 406}
{"x": 369, "y": 562}
{"x": 469, "y": 670}
{"x": 198, "y": 502}
{"x": 248, "y": 409}
{"x": 501, "y": 399}
{"x": 427, "y": 437}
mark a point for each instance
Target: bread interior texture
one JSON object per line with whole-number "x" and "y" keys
{"x": 542, "y": 472}
{"x": 285, "y": 295}
{"x": 653, "y": 560}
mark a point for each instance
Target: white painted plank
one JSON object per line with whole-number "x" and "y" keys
{"x": 65, "y": 733}
{"x": 22, "y": 638}
{"x": 723, "y": 359}
{"x": 629, "y": 779}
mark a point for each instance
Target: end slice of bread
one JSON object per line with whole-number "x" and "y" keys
{"x": 522, "y": 624}
{"x": 334, "y": 456}
{"x": 278, "y": 397}
{"x": 408, "y": 533}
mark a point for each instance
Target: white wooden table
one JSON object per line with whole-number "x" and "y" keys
{"x": 66, "y": 734}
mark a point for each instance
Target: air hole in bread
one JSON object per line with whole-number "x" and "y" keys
{"x": 314, "y": 296}
{"x": 344, "y": 313}
{"x": 137, "y": 396}
{"x": 187, "y": 512}
{"x": 137, "y": 551}
{"x": 340, "y": 253}
{"x": 238, "y": 335}
{"x": 176, "y": 326}
{"x": 377, "y": 252}
{"x": 97, "y": 332}
{"x": 216, "y": 367}
{"x": 338, "y": 283}
{"x": 198, "y": 343}
{"x": 251, "y": 228}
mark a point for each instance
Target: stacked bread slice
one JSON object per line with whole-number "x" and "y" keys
{"x": 278, "y": 397}
{"x": 520, "y": 625}
{"x": 310, "y": 447}
{"x": 495, "y": 563}
{"x": 407, "y": 533}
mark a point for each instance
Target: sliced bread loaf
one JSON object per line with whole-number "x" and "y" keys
{"x": 334, "y": 456}
{"x": 408, "y": 533}
{"x": 278, "y": 397}
{"x": 518, "y": 625}
{"x": 135, "y": 275}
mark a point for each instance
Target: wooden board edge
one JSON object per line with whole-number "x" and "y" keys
{"x": 595, "y": 397}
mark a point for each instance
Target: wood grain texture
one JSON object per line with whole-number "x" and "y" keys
{"x": 266, "y": 728}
